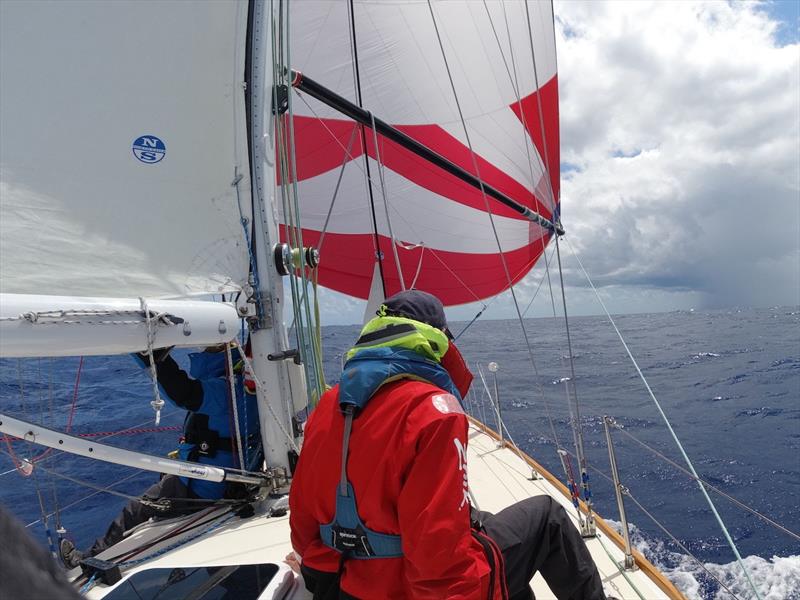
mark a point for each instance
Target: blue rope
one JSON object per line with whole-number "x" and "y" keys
{"x": 88, "y": 585}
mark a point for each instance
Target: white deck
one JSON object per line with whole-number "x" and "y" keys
{"x": 498, "y": 478}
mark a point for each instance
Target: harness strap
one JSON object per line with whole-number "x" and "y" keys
{"x": 347, "y": 533}
{"x": 348, "y": 426}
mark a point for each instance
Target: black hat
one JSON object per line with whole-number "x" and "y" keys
{"x": 420, "y": 306}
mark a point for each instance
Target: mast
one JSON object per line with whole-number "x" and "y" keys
{"x": 268, "y": 331}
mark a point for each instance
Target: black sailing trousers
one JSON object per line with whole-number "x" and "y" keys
{"x": 536, "y": 534}
{"x": 170, "y": 486}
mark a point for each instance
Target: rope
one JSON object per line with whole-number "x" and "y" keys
{"x": 738, "y": 503}
{"x": 680, "y": 545}
{"x": 260, "y": 387}
{"x": 157, "y": 403}
{"x": 234, "y": 404}
{"x": 491, "y": 218}
{"x": 132, "y": 563}
{"x": 89, "y": 585}
{"x": 357, "y": 84}
{"x": 620, "y": 571}
{"x": 386, "y": 204}
{"x": 130, "y": 431}
{"x": 577, "y": 427}
{"x": 728, "y": 537}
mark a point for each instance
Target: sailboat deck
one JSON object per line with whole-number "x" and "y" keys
{"x": 498, "y": 477}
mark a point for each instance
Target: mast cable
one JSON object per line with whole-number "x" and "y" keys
{"x": 234, "y": 405}
{"x": 357, "y": 75}
{"x": 410, "y": 225}
{"x": 546, "y": 166}
{"x": 488, "y": 210}
{"x": 680, "y": 545}
{"x": 725, "y": 531}
{"x": 313, "y": 360}
{"x": 515, "y": 86}
{"x": 280, "y": 44}
{"x": 577, "y": 428}
{"x": 570, "y": 385}
{"x": 260, "y": 386}
{"x": 686, "y": 471}
{"x": 386, "y": 203}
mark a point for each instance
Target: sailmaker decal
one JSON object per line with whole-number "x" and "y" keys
{"x": 149, "y": 149}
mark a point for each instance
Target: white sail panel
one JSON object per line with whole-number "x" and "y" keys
{"x": 496, "y": 68}
{"x": 123, "y": 128}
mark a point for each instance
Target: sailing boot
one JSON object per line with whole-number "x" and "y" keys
{"x": 70, "y": 555}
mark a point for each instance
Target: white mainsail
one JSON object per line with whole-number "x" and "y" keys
{"x": 118, "y": 154}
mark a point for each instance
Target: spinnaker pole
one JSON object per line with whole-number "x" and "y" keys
{"x": 353, "y": 111}
{"x": 44, "y": 436}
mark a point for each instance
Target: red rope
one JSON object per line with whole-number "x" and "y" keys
{"x": 74, "y": 396}
{"x": 72, "y": 411}
{"x": 26, "y": 472}
{"x": 130, "y": 431}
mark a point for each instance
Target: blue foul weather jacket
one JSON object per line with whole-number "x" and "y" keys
{"x": 208, "y": 436}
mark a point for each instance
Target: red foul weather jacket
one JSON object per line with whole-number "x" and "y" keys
{"x": 407, "y": 465}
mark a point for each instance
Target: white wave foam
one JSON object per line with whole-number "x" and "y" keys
{"x": 777, "y": 578}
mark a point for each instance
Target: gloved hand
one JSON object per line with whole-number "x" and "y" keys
{"x": 143, "y": 358}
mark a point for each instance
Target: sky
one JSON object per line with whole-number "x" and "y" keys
{"x": 680, "y": 133}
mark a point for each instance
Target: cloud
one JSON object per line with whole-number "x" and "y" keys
{"x": 680, "y": 131}
{"x": 681, "y": 126}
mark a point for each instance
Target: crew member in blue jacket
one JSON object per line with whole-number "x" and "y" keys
{"x": 207, "y": 439}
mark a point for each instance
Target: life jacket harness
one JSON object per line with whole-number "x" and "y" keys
{"x": 389, "y": 349}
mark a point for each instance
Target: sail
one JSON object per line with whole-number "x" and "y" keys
{"x": 433, "y": 231}
{"x": 123, "y": 130}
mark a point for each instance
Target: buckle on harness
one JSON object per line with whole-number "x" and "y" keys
{"x": 347, "y": 540}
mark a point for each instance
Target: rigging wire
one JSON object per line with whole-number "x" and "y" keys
{"x": 311, "y": 356}
{"x": 290, "y": 200}
{"x": 260, "y": 387}
{"x": 680, "y": 545}
{"x": 725, "y": 495}
{"x": 490, "y": 214}
{"x": 488, "y": 304}
{"x": 430, "y": 250}
{"x": 677, "y": 441}
{"x": 570, "y": 384}
{"x": 577, "y": 428}
{"x": 649, "y": 515}
{"x": 234, "y": 403}
{"x": 386, "y": 203}
{"x": 515, "y": 85}
{"x": 93, "y": 494}
{"x": 357, "y": 83}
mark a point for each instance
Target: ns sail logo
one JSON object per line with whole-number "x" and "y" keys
{"x": 149, "y": 149}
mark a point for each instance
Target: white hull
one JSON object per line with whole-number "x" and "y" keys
{"x": 498, "y": 478}
{"x": 37, "y": 325}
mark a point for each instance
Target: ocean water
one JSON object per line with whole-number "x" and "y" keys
{"x": 728, "y": 381}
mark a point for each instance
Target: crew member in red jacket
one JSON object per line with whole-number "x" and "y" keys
{"x": 396, "y": 522}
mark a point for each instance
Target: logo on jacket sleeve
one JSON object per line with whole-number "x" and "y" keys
{"x": 446, "y": 403}
{"x": 462, "y": 466}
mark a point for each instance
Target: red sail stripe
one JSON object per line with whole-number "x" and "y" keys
{"x": 320, "y": 146}
{"x": 529, "y": 108}
{"x": 347, "y": 265}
